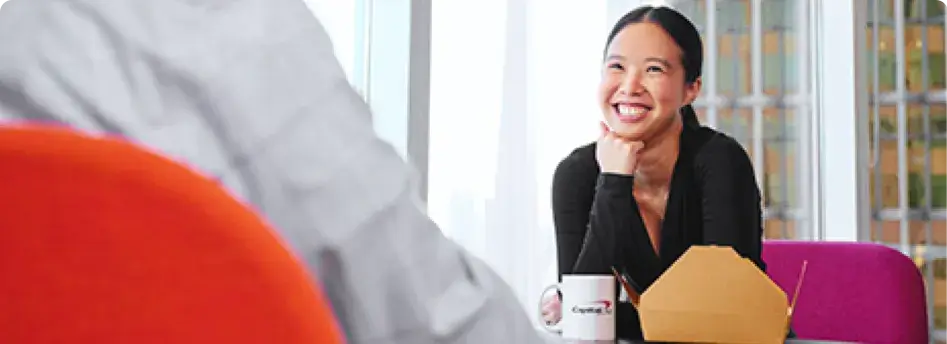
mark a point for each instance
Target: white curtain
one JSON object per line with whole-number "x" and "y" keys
{"x": 514, "y": 87}
{"x": 513, "y": 91}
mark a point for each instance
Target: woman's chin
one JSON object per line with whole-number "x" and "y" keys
{"x": 627, "y": 134}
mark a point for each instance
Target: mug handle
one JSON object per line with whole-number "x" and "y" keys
{"x": 554, "y": 328}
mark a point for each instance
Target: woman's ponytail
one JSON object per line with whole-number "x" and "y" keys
{"x": 689, "y": 116}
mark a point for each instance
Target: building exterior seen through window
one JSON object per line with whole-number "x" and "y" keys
{"x": 758, "y": 108}
{"x": 908, "y": 120}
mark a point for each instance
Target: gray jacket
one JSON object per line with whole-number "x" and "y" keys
{"x": 250, "y": 92}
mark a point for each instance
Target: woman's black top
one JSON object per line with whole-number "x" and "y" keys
{"x": 713, "y": 200}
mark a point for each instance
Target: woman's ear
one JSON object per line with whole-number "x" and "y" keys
{"x": 692, "y": 91}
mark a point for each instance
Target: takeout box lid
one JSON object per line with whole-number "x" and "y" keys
{"x": 712, "y": 295}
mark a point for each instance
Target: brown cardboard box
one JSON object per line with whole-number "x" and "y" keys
{"x": 712, "y": 295}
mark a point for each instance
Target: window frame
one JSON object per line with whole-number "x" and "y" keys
{"x": 396, "y": 73}
{"x": 840, "y": 193}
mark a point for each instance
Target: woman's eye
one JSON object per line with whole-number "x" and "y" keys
{"x": 616, "y": 66}
{"x": 654, "y": 69}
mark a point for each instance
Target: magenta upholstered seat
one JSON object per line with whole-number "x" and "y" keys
{"x": 855, "y": 292}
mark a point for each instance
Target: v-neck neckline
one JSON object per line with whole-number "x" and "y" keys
{"x": 674, "y": 192}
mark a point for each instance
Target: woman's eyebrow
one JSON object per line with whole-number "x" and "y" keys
{"x": 662, "y": 61}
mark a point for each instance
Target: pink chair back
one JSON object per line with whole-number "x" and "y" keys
{"x": 854, "y": 292}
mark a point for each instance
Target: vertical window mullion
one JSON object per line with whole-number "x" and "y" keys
{"x": 735, "y": 38}
{"x": 710, "y": 73}
{"x": 876, "y": 118}
{"x": 361, "y": 73}
{"x": 756, "y": 56}
{"x": 782, "y": 138}
{"x": 902, "y": 131}
{"x": 928, "y": 189}
{"x": 841, "y": 188}
{"x": 804, "y": 111}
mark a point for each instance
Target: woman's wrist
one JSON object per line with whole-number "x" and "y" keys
{"x": 614, "y": 183}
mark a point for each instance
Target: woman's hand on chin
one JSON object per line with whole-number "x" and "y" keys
{"x": 616, "y": 155}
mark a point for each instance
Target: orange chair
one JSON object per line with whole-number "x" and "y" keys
{"x": 103, "y": 242}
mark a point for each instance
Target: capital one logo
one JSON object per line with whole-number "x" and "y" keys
{"x": 602, "y": 307}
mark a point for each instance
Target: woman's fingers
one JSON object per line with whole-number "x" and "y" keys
{"x": 551, "y": 310}
{"x": 635, "y": 146}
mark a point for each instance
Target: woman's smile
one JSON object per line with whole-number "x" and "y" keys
{"x": 630, "y": 112}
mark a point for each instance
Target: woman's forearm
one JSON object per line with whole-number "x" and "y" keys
{"x": 616, "y": 235}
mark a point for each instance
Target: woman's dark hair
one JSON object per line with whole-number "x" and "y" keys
{"x": 681, "y": 30}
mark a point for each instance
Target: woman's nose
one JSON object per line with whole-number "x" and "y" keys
{"x": 630, "y": 84}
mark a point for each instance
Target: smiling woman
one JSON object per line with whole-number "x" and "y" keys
{"x": 643, "y": 88}
{"x": 656, "y": 182}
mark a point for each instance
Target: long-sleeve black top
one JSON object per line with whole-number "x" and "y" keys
{"x": 713, "y": 200}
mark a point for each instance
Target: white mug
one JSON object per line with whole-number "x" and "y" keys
{"x": 588, "y": 307}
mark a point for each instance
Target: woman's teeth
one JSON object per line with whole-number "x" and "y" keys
{"x": 631, "y": 110}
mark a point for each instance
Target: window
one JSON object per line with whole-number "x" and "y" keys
{"x": 373, "y": 42}
{"x": 908, "y": 175}
{"x": 509, "y": 100}
{"x": 754, "y": 95}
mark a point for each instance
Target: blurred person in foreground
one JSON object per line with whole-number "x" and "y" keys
{"x": 250, "y": 92}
